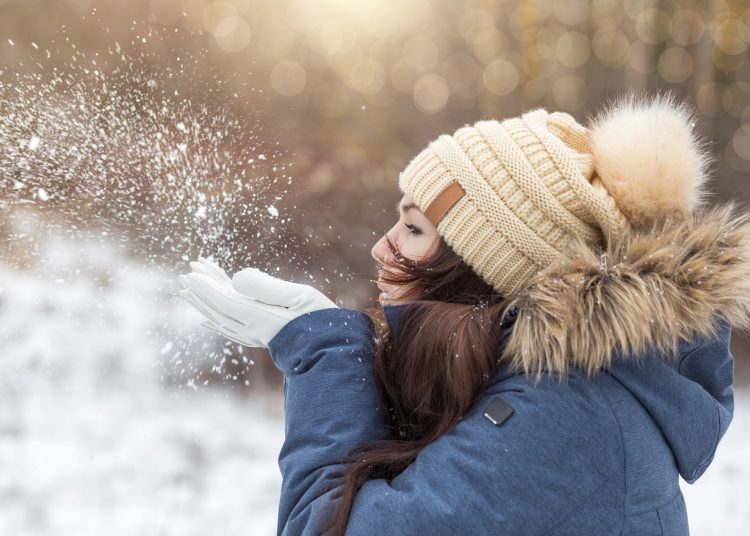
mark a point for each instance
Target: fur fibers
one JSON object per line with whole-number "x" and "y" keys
{"x": 651, "y": 288}
{"x": 648, "y": 156}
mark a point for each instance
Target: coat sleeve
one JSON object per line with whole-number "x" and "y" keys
{"x": 331, "y": 405}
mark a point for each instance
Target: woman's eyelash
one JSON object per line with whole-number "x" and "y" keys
{"x": 413, "y": 229}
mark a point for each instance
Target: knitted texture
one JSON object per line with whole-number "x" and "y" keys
{"x": 531, "y": 188}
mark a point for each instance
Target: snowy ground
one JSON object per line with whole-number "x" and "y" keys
{"x": 94, "y": 441}
{"x": 106, "y": 425}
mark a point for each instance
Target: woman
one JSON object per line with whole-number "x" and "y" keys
{"x": 558, "y": 301}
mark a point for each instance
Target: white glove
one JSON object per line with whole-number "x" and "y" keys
{"x": 252, "y": 307}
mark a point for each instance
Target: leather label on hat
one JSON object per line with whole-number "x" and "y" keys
{"x": 443, "y": 202}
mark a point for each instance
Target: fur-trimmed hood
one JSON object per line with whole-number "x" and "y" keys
{"x": 650, "y": 289}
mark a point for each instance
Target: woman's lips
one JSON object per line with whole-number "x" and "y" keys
{"x": 379, "y": 284}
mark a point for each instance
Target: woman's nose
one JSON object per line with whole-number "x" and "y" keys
{"x": 380, "y": 251}
{"x": 377, "y": 250}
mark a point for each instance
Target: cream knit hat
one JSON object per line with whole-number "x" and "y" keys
{"x": 509, "y": 196}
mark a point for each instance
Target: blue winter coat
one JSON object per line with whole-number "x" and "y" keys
{"x": 586, "y": 455}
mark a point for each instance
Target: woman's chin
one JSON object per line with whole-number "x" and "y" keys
{"x": 385, "y": 299}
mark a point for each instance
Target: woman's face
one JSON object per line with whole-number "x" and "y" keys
{"x": 413, "y": 235}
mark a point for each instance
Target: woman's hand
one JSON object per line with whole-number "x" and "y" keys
{"x": 251, "y": 307}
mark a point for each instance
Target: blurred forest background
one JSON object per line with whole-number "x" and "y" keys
{"x": 353, "y": 90}
{"x": 330, "y": 100}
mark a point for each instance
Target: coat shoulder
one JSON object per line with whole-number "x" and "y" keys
{"x": 569, "y": 416}
{"x": 561, "y": 447}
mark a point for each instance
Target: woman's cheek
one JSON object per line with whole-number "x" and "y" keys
{"x": 420, "y": 245}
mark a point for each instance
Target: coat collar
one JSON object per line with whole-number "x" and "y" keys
{"x": 650, "y": 288}
{"x": 393, "y": 313}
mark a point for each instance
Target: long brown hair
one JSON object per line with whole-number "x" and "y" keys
{"x": 440, "y": 357}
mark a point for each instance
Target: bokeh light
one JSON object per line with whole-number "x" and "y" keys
{"x": 688, "y": 27}
{"x": 232, "y": 34}
{"x": 675, "y": 65}
{"x": 732, "y": 36}
{"x": 431, "y": 93}
{"x": 366, "y": 76}
{"x": 611, "y": 48}
{"x": 653, "y": 26}
{"x": 573, "y": 49}
{"x": 501, "y": 77}
{"x": 288, "y": 78}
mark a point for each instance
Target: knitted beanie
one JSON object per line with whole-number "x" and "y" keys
{"x": 509, "y": 196}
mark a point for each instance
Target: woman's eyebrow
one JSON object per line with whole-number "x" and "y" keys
{"x": 405, "y": 208}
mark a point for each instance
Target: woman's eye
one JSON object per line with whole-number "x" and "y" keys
{"x": 413, "y": 229}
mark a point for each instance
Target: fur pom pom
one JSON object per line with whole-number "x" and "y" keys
{"x": 648, "y": 157}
